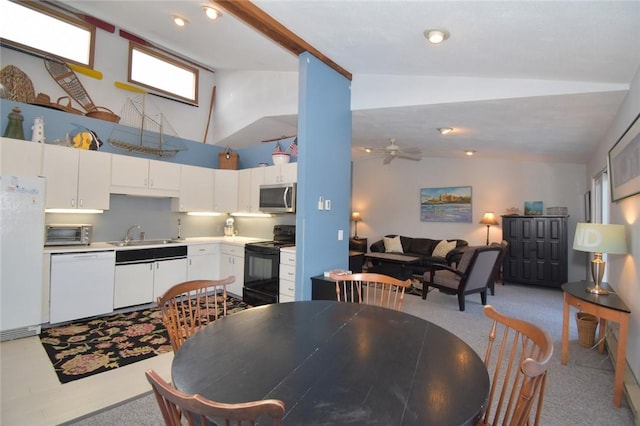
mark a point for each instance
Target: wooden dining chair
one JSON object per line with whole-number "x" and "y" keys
{"x": 373, "y": 289}
{"x": 519, "y": 353}
{"x": 197, "y": 410}
{"x": 189, "y": 306}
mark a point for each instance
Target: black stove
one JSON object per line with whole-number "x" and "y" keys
{"x": 262, "y": 266}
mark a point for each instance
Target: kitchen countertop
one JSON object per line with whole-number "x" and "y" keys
{"x": 102, "y": 246}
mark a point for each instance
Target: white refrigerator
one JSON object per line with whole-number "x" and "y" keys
{"x": 21, "y": 255}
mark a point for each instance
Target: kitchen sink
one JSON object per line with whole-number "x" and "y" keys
{"x": 142, "y": 242}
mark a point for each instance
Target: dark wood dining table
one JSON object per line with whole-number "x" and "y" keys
{"x": 336, "y": 363}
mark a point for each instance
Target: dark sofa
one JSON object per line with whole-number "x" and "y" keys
{"x": 418, "y": 247}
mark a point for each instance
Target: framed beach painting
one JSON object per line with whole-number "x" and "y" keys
{"x": 624, "y": 163}
{"x": 532, "y": 208}
{"x": 446, "y": 204}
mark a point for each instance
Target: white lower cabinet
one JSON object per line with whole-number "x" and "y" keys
{"x": 168, "y": 273}
{"x": 133, "y": 285}
{"x": 287, "y": 275}
{"x": 203, "y": 262}
{"x": 141, "y": 283}
{"x": 232, "y": 263}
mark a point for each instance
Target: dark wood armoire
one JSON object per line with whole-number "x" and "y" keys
{"x": 537, "y": 252}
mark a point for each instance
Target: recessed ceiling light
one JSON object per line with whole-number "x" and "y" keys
{"x": 445, "y": 130}
{"x": 436, "y": 36}
{"x": 367, "y": 150}
{"x": 179, "y": 20}
{"x": 211, "y": 13}
{"x": 469, "y": 152}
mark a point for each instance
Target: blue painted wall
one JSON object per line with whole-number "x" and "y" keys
{"x": 324, "y": 170}
{"x": 59, "y": 123}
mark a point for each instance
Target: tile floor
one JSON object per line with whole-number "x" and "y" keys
{"x": 31, "y": 394}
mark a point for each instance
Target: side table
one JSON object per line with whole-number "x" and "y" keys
{"x": 609, "y": 307}
{"x": 323, "y": 288}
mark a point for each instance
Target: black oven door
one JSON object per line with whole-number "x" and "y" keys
{"x": 261, "y": 280}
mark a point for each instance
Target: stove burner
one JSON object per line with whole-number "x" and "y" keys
{"x": 274, "y": 244}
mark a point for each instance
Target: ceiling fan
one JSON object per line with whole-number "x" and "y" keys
{"x": 393, "y": 151}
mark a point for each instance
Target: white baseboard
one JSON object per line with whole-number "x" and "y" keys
{"x": 18, "y": 333}
{"x": 631, "y": 386}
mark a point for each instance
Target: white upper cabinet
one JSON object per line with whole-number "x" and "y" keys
{"x": 20, "y": 158}
{"x": 196, "y": 190}
{"x": 94, "y": 180}
{"x": 139, "y": 176}
{"x": 283, "y": 173}
{"x": 249, "y": 181}
{"x": 226, "y": 191}
{"x": 76, "y": 178}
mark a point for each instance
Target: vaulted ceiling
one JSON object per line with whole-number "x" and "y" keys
{"x": 528, "y": 80}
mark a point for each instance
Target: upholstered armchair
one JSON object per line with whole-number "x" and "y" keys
{"x": 474, "y": 273}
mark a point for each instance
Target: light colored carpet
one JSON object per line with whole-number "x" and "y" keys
{"x": 580, "y": 393}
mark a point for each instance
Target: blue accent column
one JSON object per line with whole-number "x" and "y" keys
{"x": 324, "y": 170}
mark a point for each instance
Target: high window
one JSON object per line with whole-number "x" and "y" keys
{"x": 160, "y": 72}
{"x": 38, "y": 30}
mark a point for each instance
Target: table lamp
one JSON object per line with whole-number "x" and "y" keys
{"x": 489, "y": 219}
{"x": 599, "y": 238}
{"x": 355, "y": 216}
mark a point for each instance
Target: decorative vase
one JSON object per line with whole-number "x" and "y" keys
{"x": 14, "y": 126}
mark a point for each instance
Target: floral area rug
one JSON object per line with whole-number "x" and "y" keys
{"x": 92, "y": 346}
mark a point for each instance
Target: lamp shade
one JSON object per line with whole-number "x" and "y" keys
{"x": 355, "y": 216}
{"x": 489, "y": 218}
{"x": 600, "y": 238}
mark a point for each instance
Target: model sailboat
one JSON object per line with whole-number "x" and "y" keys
{"x": 139, "y": 131}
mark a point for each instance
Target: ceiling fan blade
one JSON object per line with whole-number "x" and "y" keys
{"x": 388, "y": 159}
{"x": 413, "y": 150}
{"x": 409, "y": 157}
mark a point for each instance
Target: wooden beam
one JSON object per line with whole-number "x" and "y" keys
{"x": 258, "y": 19}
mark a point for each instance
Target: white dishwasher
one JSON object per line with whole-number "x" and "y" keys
{"x": 81, "y": 285}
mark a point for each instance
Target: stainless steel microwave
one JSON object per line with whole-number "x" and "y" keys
{"x": 280, "y": 198}
{"x": 58, "y": 234}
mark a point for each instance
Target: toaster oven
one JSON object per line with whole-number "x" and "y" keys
{"x": 58, "y": 234}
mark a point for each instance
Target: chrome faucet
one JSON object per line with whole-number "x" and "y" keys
{"x": 127, "y": 238}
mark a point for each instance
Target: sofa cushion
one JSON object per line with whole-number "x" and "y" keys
{"x": 443, "y": 248}
{"x": 393, "y": 245}
{"x": 422, "y": 246}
